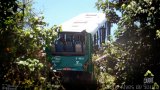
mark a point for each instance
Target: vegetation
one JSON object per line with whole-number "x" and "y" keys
{"x": 23, "y": 40}
{"x": 137, "y": 46}
{"x": 130, "y": 59}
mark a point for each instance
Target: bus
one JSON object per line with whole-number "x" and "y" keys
{"x": 71, "y": 53}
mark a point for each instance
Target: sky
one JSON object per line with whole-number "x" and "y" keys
{"x": 56, "y": 12}
{"x": 59, "y": 11}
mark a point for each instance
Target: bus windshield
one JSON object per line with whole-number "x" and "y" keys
{"x": 69, "y": 43}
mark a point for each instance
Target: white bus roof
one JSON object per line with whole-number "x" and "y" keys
{"x": 86, "y": 21}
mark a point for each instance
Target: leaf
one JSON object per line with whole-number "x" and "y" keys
{"x": 158, "y": 33}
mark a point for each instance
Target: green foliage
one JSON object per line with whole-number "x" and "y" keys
{"x": 136, "y": 48}
{"x": 23, "y": 38}
{"x": 7, "y": 9}
{"x": 31, "y": 73}
{"x": 31, "y": 64}
{"x": 108, "y": 8}
{"x": 114, "y": 65}
{"x": 107, "y": 81}
{"x": 158, "y": 33}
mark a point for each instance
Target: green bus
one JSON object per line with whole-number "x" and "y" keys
{"x": 71, "y": 52}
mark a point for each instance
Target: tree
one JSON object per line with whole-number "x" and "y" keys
{"x": 111, "y": 15}
{"x": 23, "y": 39}
{"x": 138, "y": 35}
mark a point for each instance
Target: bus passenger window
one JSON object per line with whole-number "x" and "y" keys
{"x": 59, "y": 46}
{"x": 69, "y": 44}
{"x": 78, "y": 47}
{"x": 78, "y": 44}
{"x": 60, "y": 43}
{"x": 53, "y": 47}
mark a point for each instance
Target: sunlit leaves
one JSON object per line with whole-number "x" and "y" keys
{"x": 107, "y": 80}
{"x": 123, "y": 6}
{"x": 149, "y": 2}
{"x": 158, "y": 33}
{"x": 31, "y": 64}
